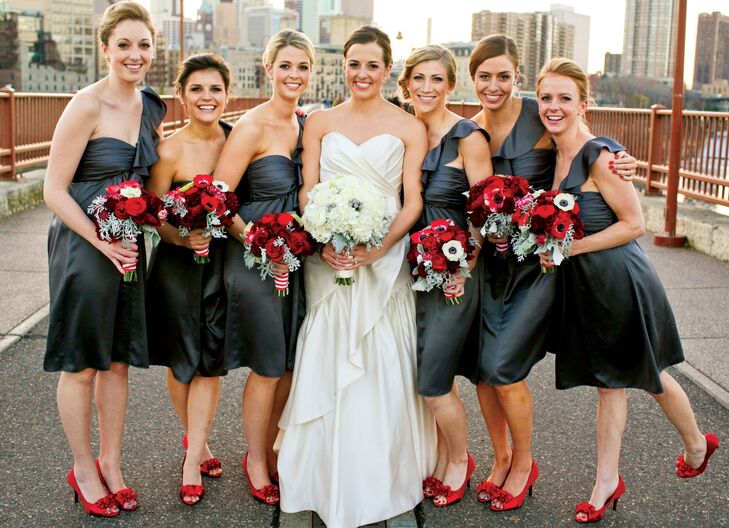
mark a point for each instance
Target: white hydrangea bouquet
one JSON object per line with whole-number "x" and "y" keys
{"x": 346, "y": 211}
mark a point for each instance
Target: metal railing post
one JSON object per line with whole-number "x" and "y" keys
{"x": 655, "y": 144}
{"x": 10, "y": 130}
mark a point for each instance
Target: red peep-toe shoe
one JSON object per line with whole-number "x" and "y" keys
{"x": 510, "y": 502}
{"x": 683, "y": 470}
{"x": 451, "y": 496}
{"x": 267, "y": 494}
{"x": 191, "y": 491}
{"x": 593, "y": 515}
{"x": 210, "y": 467}
{"x": 430, "y": 485}
{"x": 489, "y": 488}
{"x": 125, "y": 498}
{"x": 104, "y": 507}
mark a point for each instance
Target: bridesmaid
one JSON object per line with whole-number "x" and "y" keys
{"x": 616, "y": 328}
{"x": 516, "y": 297}
{"x": 185, "y": 300}
{"x": 261, "y": 162}
{"x": 107, "y": 134}
{"x": 459, "y": 157}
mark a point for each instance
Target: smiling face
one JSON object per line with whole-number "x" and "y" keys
{"x": 560, "y": 104}
{"x": 429, "y": 86}
{"x": 290, "y": 72}
{"x": 365, "y": 70}
{"x": 494, "y": 81}
{"x": 204, "y": 96}
{"x": 130, "y": 50}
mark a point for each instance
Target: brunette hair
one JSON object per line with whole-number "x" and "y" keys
{"x": 423, "y": 54}
{"x": 202, "y": 61}
{"x": 367, "y": 34}
{"x": 569, "y": 68}
{"x": 490, "y": 47}
{"x": 284, "y": 38}
{"x": 116, "y": 13}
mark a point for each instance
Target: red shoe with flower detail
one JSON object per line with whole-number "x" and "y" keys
{"x": 267, "y": 494}
{"x": 104, "y": 507}
{"x": 212, "y": 467}
{"x": 125, "y": 498}
{"x": 683, "y": 470}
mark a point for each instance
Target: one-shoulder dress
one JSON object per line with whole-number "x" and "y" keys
{"x": 446, "y": 344}
{"x": 260, "y": 328}
{"x": 516, "y": 297}
{"x": 186, "y": 309}
{"x": 95, "y": 317}
{"x": 615, "y": 327}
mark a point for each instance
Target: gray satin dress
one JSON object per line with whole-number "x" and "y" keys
{"x": 261, "y": 329}
{"x": 516, "y": 297}
{"x": 95, "y": 317}
{"x": 186, "y": 309}
{"x": 447, "y": 342}
{"x": 615, "y": 326}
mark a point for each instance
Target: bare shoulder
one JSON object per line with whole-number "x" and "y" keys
{"x": 600, "y": 169}
{"x": 249, "y": 126}
{"x": 319, "y": 122}
{"x": 408, "y": 126}
{"x": 85, "y": 105}
{"x": 170, "y": 148}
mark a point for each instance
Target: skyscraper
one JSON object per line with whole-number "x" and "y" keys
{"x": 581, "y": 23}
{"x": 649, "y": 38}
{"x": 712, "y": 49}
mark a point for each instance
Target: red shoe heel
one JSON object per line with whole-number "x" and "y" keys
{"x": 452, "y": 496}
{"x": 683, "y": 470}
{"x": 210, "y": 467}
{"x": 267, "y": 494}
{"x": 104, "y": 507}
{"x": 125, "y": 498}
{"x": 510, "y": 502}
{"x": 593, "y": 515}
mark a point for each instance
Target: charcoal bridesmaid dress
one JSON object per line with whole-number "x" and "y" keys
{"x": 446, "y": 344}
{"x": 261, "y": 329}
{"x": 516, "y": 297}
{"x": 95, "y": 317}
{"x": 186, "y": 309}
{"x": 615, "y": 327}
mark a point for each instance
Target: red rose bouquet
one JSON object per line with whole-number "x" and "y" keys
{"x": 123, "y": 213}
{"x": 277, "y": 238}
{"x": 437, "y": 253}
{"x": 547, "y": 222}
{"x": 205, "y": 204}
{"x": 490, "y": 204}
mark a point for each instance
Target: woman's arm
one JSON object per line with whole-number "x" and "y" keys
{"x": 622, "y": 198}
{"x": 314, "y": 131}
{"x": 73, "y": 131}
{"x": 476, "y": 155}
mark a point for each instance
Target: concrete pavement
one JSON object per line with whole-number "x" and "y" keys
{"x": 34, "y": 456}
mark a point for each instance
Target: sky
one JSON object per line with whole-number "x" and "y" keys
{"x": 452, "y": 22}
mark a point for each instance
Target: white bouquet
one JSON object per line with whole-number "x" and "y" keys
{"x": 346, "y": 211}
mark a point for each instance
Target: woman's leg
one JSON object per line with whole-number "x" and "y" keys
{"x": 612, "y": 411}
{"x": 179, "y": 394}
{"x": 495, "y": 419}
{"x": 112, "y": 390}
{"x": 258, "y": 398}
{"x": 677, "y": 408}
{"x": 279, "y": 402}
{"x": 74, "y": 407}
{"x": 516, "y": 404}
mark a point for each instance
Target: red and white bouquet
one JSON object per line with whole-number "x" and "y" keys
{"x": 490, "y": 204}
{"x": 346, "y": 211}
{"x": 547, "y": 222}
{"x": 277, "y": 238}
{"x": 123, "y": 213}
{"x": 205, "y": 204}
{"x": 437, "y": 253}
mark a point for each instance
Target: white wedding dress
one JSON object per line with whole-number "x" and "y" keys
{"x": 356, "y": 439}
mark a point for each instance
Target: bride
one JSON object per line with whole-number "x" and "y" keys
{"x": 356, "y": 440}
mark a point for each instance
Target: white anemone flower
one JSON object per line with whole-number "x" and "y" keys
{"x": 130, "y": 192}
{"x": 564, "y": 201}
{"x": 453, "y": 250}
{"x": 221, "y": 185}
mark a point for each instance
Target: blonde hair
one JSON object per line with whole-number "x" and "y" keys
{"x": 423, "y": 54}
{"x": 490, "y": 47}
{"x": 569, "y": 68}
{"x": 284, "y": 38}
{"x": 119, "y": 12}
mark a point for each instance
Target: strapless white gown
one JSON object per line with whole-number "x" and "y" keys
{"x": 356, "y": 440}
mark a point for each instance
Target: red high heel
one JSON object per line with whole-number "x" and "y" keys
{"x": 267, "y": 494}
{"x": 210, "y": 465}
{"x": 430, "y": 485}
{"x": 683, "y": 470}
{"x": 104, "y": 507}
{"x": 486, "y": 487}
{"x": 125, "y": 498}
{"x": 190, "y": 491}
{"x": 454, "y": 496}
{"x": 510, "y": 502}
{"x": 593, "y": 515}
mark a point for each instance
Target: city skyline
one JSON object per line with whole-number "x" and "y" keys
{"x": 454, "y": 24}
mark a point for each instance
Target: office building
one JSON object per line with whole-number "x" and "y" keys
{"x": 649, "y": 38}
{"x": 712, "y": 49}
{"x": 581, "y": 24}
